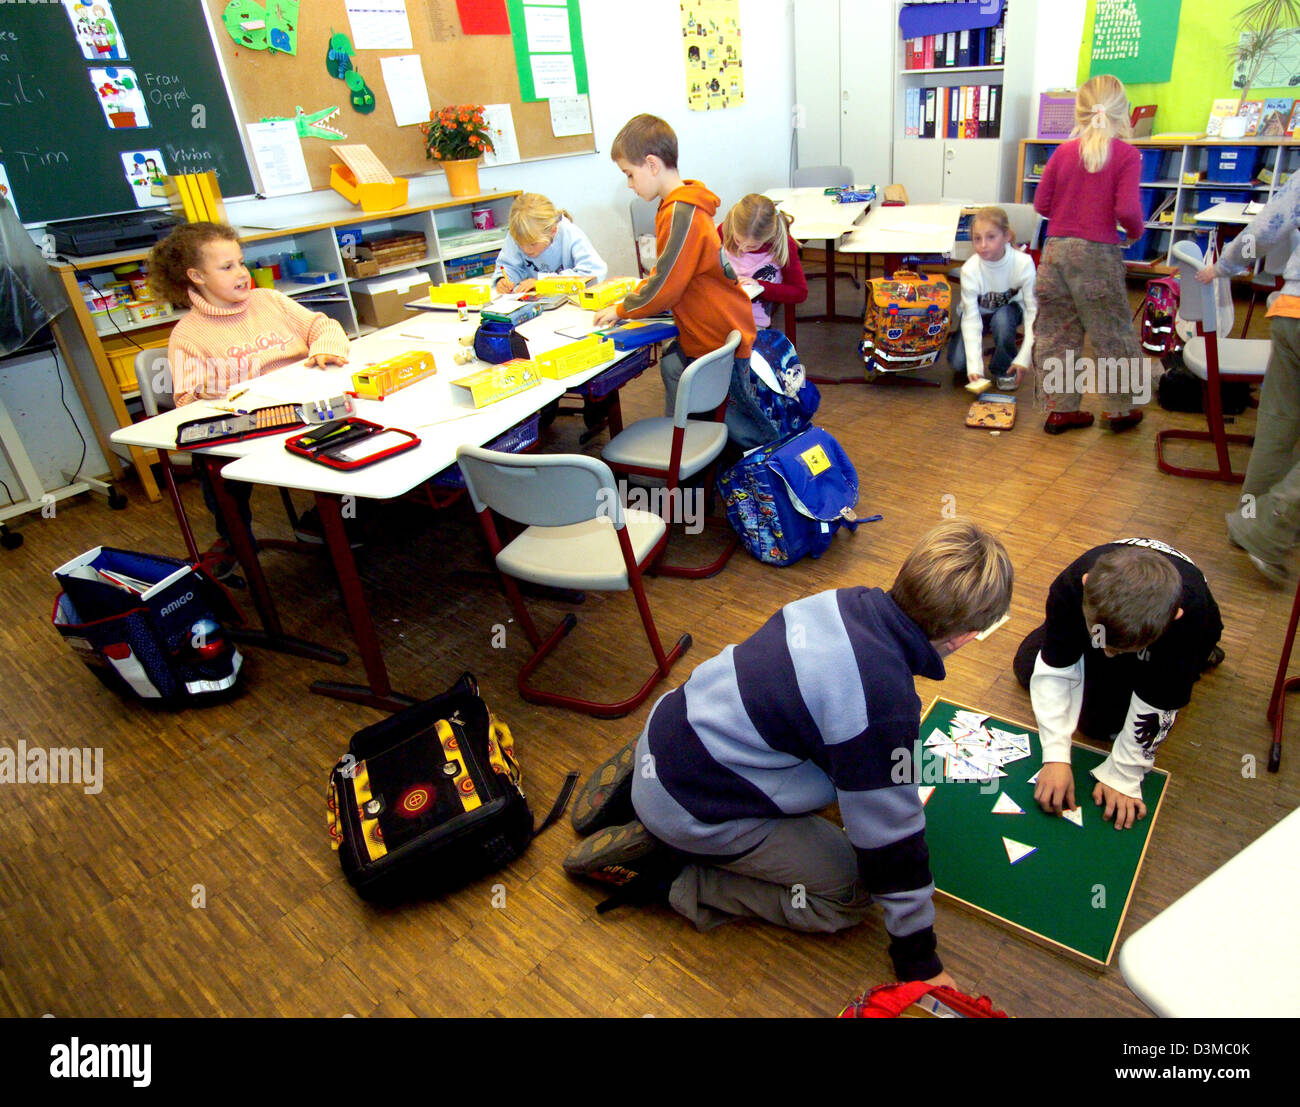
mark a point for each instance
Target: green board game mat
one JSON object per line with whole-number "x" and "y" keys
{"x": 1051, "y": 893}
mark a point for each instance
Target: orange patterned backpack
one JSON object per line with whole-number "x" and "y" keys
{"x": 906, "y": 322}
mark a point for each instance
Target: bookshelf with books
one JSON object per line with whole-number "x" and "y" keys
{"x": 961, "y": 104}
{"x": 1181, "y": 177}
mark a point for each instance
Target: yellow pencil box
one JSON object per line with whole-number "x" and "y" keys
{"x": 497, "y": 382}
{"x": 564, "y": 361}
{"x": 607, "y": 292}
{"x": 559, "y": 286}
{"x": 374, "y": 382}
{"x": 474, "y": 294}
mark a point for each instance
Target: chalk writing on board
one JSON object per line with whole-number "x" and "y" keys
{"x": 37, "y": 159}
{"x": 17, "y": 89}
{"x": 186, "y": 157}
{"x": 167, "y": 90}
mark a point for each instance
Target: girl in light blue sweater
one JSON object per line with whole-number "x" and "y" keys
{"x": 544, "y": 241}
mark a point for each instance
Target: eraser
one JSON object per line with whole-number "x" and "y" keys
{"x": 978, "y": 385}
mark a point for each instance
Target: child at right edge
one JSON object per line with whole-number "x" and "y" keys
{"x": 707, "y": 304}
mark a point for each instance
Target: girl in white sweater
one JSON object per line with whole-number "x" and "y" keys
{"x": 997, "y": 293}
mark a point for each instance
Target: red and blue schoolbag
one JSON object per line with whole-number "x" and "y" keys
{"x": 1160, "y": 337}
{"x": 774, "y": 398}
{"x": 787, "y": 499}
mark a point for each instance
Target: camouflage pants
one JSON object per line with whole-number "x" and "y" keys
{"x": 1081, "y": 291}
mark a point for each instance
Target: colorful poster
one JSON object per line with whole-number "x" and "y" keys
{"x": 483, "y": 17}
{"x": 1134, "y": 39}
{"x": 95, "y": 26}
{"x": 120, "y": 97}
{"x": 143, "y": 170}
{"x": 715, "y": 77}
{"x": 1279, "y": 69}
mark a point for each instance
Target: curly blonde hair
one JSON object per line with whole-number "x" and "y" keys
{"x": 179, "y": 252}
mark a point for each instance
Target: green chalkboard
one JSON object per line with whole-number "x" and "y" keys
{"x": 1073, "y": 891}
{"x": 84, "y": 85}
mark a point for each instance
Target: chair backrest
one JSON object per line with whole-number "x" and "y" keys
{"x": 643, "y": 215}
{"x": 823, "y": 176}
{"x": 153, "y": 373}
{"x": 1197, "y": 302}
{"x": 705, "y": 381}
{"x": 540, "y": 490}
{"x": 1025, "y": 223}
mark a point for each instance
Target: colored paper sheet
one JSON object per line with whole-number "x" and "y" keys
{"x": 1134, "y": 39}
{"x": 483, "y": 17}
{"x": 272, "y": 25}
{"x": 545, "y": 74}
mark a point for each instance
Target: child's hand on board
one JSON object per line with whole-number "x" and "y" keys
{"x": 505, "y": 284}
{"x": 1054, "y": 791}
{"x": 1206, "y": 275}
{"x": 322, "y": 360}
{"x": 606, "y": 317}
{"x": 1124, "y": 809}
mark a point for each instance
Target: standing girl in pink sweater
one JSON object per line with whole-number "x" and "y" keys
{"x": 1089, "y": 185}
{"x": 234, "y": 331}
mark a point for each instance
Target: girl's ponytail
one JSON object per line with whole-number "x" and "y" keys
{"x": 1100, "y": 114}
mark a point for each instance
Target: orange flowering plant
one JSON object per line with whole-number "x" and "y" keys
{"x": 456, "y": 132}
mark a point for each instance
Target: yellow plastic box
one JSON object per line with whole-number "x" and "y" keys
{"x": 564, "y": 361}
{"x": 371, "y": 196}
{"x": 607, "y": 292}
{"x": 474, "y": 294}
{"x": 497, "y": 382}
{"x": 374, "y": 382}
{"x": 557, "y": 286}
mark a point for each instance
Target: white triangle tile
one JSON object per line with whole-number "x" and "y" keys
{"x": 925, "y": 791}
{"x": 1075, "y": 816}
{"x": 1007, "y": 806}
{"x": 1017, "y": 851}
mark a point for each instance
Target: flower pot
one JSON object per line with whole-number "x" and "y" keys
{"x": 462, "y": 176}
{"x": 122, "y": 118}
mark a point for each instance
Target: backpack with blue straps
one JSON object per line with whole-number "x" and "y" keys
{"x": 774, "y": 398}
{"x": 788, "y": 498}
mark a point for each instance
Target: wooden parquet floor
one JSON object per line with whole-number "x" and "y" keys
{"x": 225, "y": 806}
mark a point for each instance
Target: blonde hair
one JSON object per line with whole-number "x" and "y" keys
{"x": 1133, "y": 595}
{"x": 1100, "y": 114}
{"x": 533, "y": 218}
{"x": 957, "y": 579}
{"x": 756, "y": 217}
{"x": 643, "y": 135}
{"x": 994, "y": 215}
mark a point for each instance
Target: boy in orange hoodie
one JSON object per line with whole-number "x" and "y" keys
{"x": 689, "y": 279}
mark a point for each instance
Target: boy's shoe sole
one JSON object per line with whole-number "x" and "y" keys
{"x": 1215, "y": 659}
{"x": 1276, "y": 573}
{"x": 1061, "y": 421}
{"x": 616, "y": 855}
{"x": 606, "y": 797}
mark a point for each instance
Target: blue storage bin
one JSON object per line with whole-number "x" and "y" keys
{"x": 1206, "y": 198}
{"x": 1232, "y": 164}
{"x": 1140, "y": 249}
{"x": 1149, "y": 198}
{"x": 1150, "y": 170}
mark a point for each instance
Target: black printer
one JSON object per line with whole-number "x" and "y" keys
{"x": 111, "y": 234}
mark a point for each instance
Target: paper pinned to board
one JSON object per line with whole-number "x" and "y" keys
{"x": 499, "y": 119}
{"x": 407, "y": 91}
{"x": 570, "y": 115}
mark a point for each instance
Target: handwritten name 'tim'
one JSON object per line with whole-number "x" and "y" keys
{"x": 90, "y": 1061}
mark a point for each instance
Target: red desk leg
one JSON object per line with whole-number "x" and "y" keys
{"x": 377, "y": 692}
{"x": 1281, "y": 686}
{"x": 271, "y": 636}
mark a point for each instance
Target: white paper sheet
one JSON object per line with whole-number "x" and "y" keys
{"x": 379, "y": 24}
{"x": 548, "y": 29}
{"x": 407, "y": 91}
{"x": 500, "y": 121}
{"x": 570, "y": 115}
{"x": 553, "y": 75}
{"x": 277, "y": 150}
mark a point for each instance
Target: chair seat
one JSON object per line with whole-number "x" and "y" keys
{"x": 648, "y": 444}
{"x": 1238, "y": 357}
{"x": 582, "y": 555}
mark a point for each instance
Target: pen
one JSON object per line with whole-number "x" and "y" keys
{"x": 871, "y": 519}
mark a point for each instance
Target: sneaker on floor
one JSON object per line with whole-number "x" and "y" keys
{"x": 1061, "y": 421}
{"x": 311, "y": 529}
{"x": 1008, "y": 383}
{"x": 1215, "y": 659}
{"x": 606, "y": 797}
{"x": 1276, "y": 573}
{"x": 617, "y": 855}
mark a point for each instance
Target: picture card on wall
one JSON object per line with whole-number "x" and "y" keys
{"x": 95, "y": 26}
{"x": 143, "y": 170}
{"x": 7, "y": 192}
{"x": 120, "y": 97}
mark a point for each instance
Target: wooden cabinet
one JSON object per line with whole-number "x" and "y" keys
{"x": 450, "y": 238}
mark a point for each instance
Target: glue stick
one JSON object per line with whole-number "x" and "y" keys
{"x": 462, "y": 311}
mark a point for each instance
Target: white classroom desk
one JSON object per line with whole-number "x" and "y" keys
{"x": 818, "y": 216}
{"x": 1227, "y": 949}
{"x": 1217, "y": 215}
{"x": 909, "y": 229}
{"x": 443, "y": 421}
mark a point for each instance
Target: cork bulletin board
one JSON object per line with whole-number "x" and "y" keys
{"x": 458, "y": 69}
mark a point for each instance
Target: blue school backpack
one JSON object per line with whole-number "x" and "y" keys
{"x": 774, "y": 398}
{"x": 787, "y": 499}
